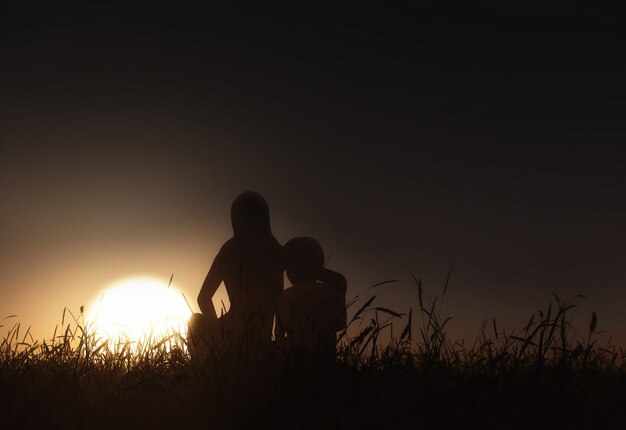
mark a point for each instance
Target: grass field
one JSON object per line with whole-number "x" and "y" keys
{"x": 545, "y": 375}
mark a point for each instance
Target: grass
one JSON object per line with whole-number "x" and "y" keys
{"x": 545, "y": 375}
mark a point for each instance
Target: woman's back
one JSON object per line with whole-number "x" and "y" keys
{"x": 253, "y": 277}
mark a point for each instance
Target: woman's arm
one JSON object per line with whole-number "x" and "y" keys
{"x": 209, "y": 287}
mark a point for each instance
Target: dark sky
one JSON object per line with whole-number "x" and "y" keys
{"x": 404, "y": 140}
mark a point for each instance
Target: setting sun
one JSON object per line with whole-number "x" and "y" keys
{"x": 141, "y": 311}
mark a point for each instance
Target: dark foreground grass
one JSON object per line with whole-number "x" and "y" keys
{"x": 546, "y": 375}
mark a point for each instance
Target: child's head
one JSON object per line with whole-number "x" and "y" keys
{"x": 304, "y": 259}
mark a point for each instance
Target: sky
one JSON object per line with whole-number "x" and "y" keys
{"x": 406, "y": 140}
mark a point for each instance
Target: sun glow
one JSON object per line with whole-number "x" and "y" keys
{"x": 140, "y": 312}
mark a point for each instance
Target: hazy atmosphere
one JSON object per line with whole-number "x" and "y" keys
{"x": 405, "y": 142}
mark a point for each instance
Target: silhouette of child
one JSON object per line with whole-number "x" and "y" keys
{"x": 313, "y": 310}
{"x": 251, "y": 266}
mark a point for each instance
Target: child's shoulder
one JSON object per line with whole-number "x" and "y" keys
{"x": 310, "y": 290}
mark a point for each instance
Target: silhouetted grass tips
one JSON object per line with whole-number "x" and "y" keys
{"x": 390, "y": 367}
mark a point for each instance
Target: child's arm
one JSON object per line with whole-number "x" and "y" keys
{"x": 335, "y": 279}
{"x": 209, "y": 287}
{"x": 339, "y": 284}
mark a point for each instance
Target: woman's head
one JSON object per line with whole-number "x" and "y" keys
{"x": 304, "y": 258}
{"x": 250, "y": 215}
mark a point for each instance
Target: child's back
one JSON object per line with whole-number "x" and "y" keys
{"x": 313, "y": 310}
{"x": 310, "y": 314}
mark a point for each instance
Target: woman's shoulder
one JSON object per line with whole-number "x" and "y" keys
{"x": 234, "y": 247}
{"x": 228, "y": 248}
{"x": 228, "y": 244}
{"x": 272, "y": 241}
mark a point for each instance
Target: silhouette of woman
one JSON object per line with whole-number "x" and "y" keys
{"x": 251, "y": 267}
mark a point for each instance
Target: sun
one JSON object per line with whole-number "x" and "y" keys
{"x": 140, "y": 313}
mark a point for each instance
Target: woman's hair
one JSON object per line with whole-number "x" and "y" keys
{"x": 250, "y": 216}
